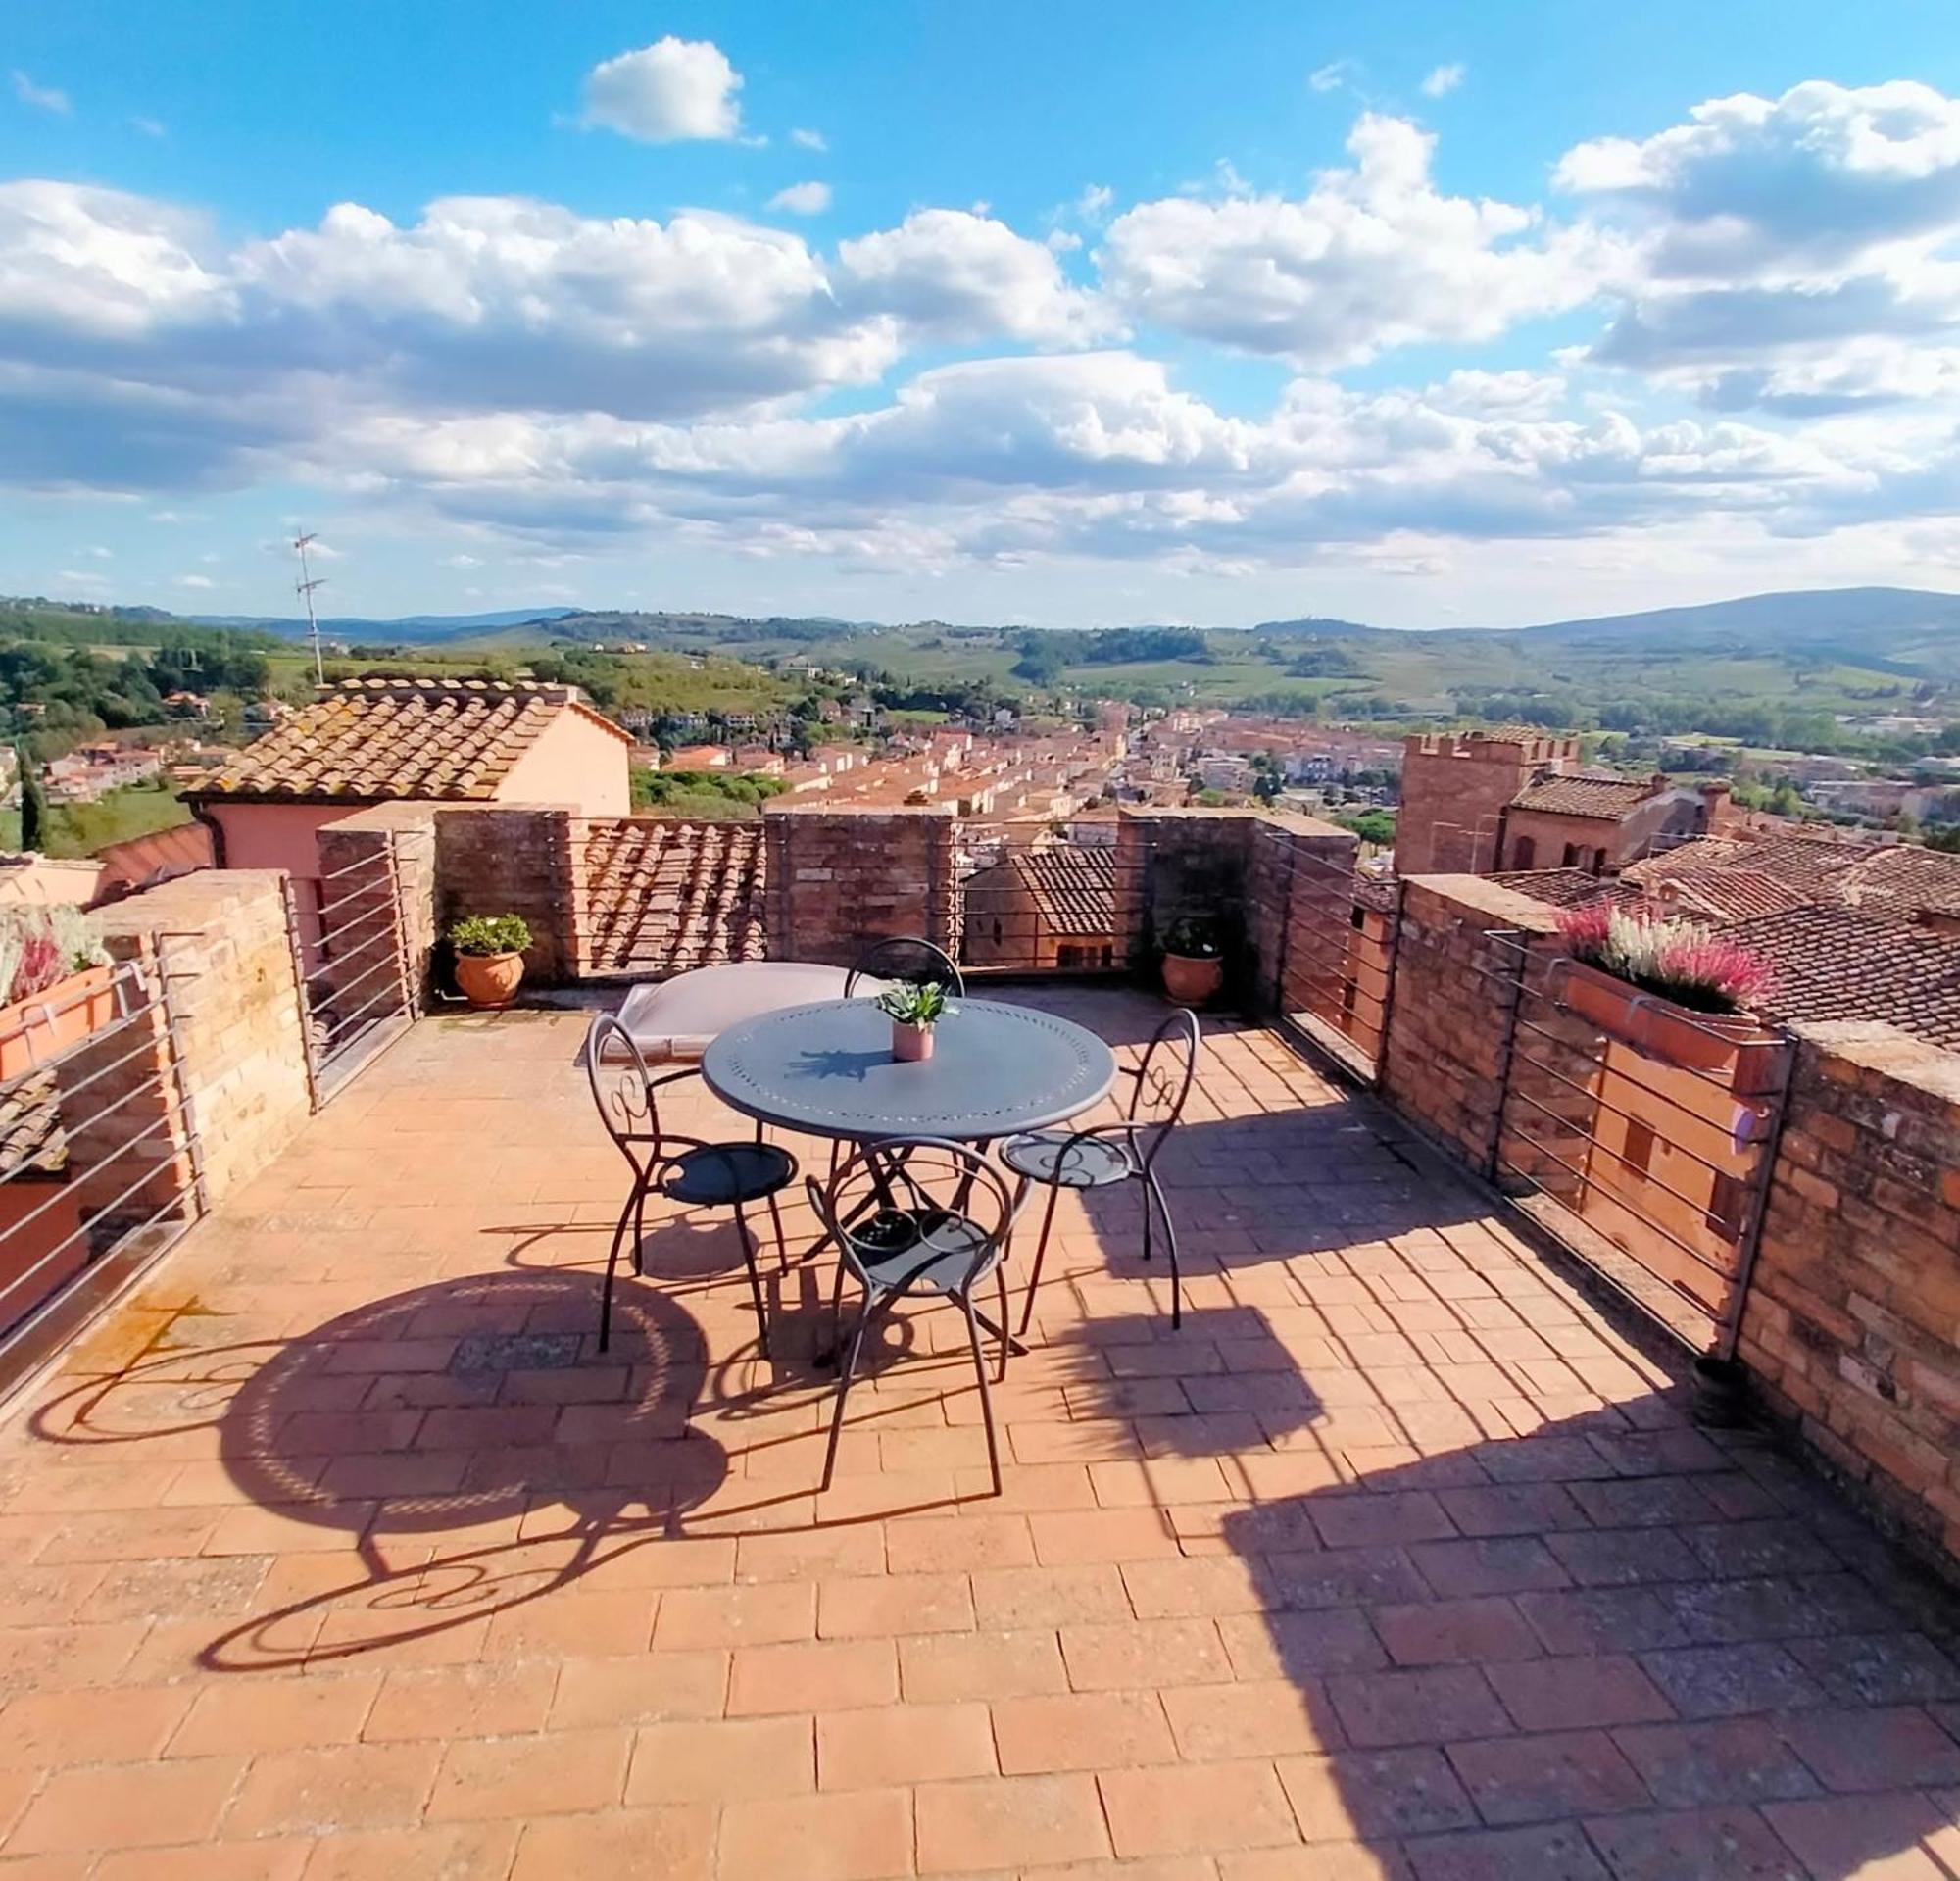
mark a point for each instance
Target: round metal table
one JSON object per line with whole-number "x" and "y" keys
{"x": 828, "y": 1071}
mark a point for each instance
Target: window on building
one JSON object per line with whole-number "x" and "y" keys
{"x": 1524, "y": 852}
{"x": 1639, "y": 1153}
{"x": 1571, "y": 856}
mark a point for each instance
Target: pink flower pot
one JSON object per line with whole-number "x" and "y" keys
{"x": 910, "y": 1044}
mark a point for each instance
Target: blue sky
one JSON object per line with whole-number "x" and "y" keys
{"x": 1424, "y": 314}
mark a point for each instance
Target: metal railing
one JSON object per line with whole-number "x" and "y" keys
{"x": 351, "y": 951}
{"x": 101, "y": 1163}
{"x": 1043, "y": 897}
{"x": 1335, "y": 955}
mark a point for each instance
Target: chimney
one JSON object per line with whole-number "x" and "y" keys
{"x": 1715, "y": 805}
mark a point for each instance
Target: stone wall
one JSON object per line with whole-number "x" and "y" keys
{"x": 222, "y": 940}
{"x": 1450, "y": 1017}
{"x": 357, "y": 850}
{"x": 840, "y": 879}
{"x": 1853, "y": 1322}
{"x": 507, "y": 858}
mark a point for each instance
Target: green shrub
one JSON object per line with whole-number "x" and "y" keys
{"x": 490, "y": 934}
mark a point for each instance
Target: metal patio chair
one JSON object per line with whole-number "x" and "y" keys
{"x": 1100, "y": 1156}
{"x": 917, "y": 1216}
{"x": 681, "y": 1169}
{"x": 905, "y": 957}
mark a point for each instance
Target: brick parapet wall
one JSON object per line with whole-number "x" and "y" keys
{"x": 512, "y": 859}
{"x": 222, "y": 939}
{"x": 838, "y": 880}
{"x": 1851, "y": 1327}
{"x": 356, "y": 852}
{"x": 1450, "y": 1023}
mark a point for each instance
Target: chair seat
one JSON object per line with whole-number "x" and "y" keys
{"x": 1070, "y": 1161}
{"x": 727, "y": 1172}
{"x": 933, "y": 1251}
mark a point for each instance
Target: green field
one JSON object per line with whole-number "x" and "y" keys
{"x": 81, "y": 829}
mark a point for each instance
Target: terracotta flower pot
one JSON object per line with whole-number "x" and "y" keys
{"x": 33, "y": 1030}
{"x": 489, "y": 980}
{"x": 910, "y": 1044}
{"x": 1729, "y": 1048}
{"x": 1191, "y": 980}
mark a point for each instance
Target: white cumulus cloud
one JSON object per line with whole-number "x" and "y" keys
{"x": 1441, "y": 81}
{"x": 664, "y": 93}
{"x": 801, "y": 199}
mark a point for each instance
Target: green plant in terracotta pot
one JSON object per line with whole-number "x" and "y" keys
{"x": 1193, "y": 960}
{"x": 489, "y": 957}
{"x": 915, "y": 1007}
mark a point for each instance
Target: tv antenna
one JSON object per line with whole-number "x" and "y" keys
{"x": 305, "y": 586}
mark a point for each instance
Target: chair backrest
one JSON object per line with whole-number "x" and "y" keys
{"x": 623, "y": 1090}
{"x": 905, "y": 957}
{"x": 1165, "y": 1077}
{"x": 921, "y": 1196}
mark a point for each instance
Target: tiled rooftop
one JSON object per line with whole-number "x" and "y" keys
{"x": 1073, "y": 888}
{"x": 666, "y": 896}
{"x": 369, "y": 739}
{"x": 339, "y": 1551}
{"x": 1585, "y": 794}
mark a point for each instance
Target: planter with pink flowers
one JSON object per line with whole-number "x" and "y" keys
{"x": 1671, "y": 989}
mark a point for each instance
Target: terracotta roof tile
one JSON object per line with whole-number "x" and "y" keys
{"x": 1073, "y": 888}
{"x": 1836, "y": 962}
{"x": 1567, "y": 887}
{"x": 31, "y": 1139}
{"x": 372, "y": 740}
{"x": 1725, "y": 895}
{"x": 666, "y": 896}
{"x": 1586, "y": 794}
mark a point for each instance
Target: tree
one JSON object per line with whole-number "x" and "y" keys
{"x": 33, "y": 801}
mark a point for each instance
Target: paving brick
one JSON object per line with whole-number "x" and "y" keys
{"x": 935, "y": 1668}
{"x": 1197, "y": 1808}
{"x": 130, "y": 1806}
{"x": 893, "y": 1745}
{"x": 1500, "y": 1565}
{"x": 673, "y": 1844}
{"x": 1007, "y": 1822}
{"x": 1624, "y": 1556}
{"x": 1369, "y": 1794}
{"x": 758, "y": 1757}
{"x": 1557, "y": 1852}
{"x": 813, "y": 1675}
{"x": 1266, "y": 1717}
{"x": 1878, "y": 1668}
{"x": 1692, "y": 1844}
{"x": 330, "y": 1791}
{"x": 1298, "y": 1646}
{"x": 1084, "y": 1731}
{"x": 551, "y": 1774}
{"x": 1568, "y": 1695}
{"x": 1455, "y": 1632}
{"x": 1431, "y": 1706}
{"x": 1884, "y": 1838}
{"x": 1872, "y": 1749}
{"x": 642, "y": 1687}
{"x": 851, "y": 1835}
{"x": 1539, "y": 1778}
{"x": 275, "y": 1715}
{"x": 891, "y": 1605}
{"x": 1143, "y": 1653}
{"x": 1725, "y": 1682}
{"x": 1742, "y": 1760}
{"x": 1512, "y": 1508}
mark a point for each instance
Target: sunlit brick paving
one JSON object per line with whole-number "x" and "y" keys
{"x": 339, "y": 1550}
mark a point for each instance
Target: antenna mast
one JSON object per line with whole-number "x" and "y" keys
{"x": 308, "y": 581}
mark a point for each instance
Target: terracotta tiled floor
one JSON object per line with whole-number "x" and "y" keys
{"x": 341, "y": 1552}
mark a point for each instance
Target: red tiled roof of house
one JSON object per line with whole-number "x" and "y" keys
{"x": 1836, "y": 962}
{"x": 375, "y": 740}
{"x": 1725, "y": 895}
{"x": 160, "y": 857}
{"x": 666, "y": 896}
{"x": 1073, "y": 889}
{"x": 1586, "y": 794}
{"x": 1567, "y": 887}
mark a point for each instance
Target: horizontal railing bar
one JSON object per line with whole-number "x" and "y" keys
{"x": 121, "y": 1149}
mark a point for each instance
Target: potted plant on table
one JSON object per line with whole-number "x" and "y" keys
{"x": 1671, "y": 988}
{"x": 1193, "y": 960}
{"x": 489, "y": 957}
{"x": 54, "y": 985}
{"x": 915, "y": 1007}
